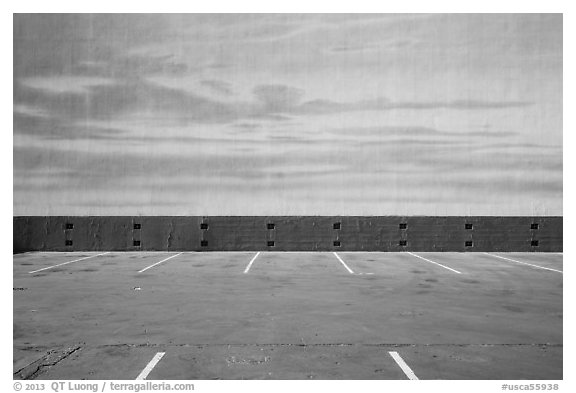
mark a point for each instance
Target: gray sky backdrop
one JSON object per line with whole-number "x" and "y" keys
{"x": 288, "y": 114}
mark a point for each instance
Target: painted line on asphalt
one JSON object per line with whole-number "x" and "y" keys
{"x": 343, "y": 263}
{"x": 157, "y": 263}
{"x": 400, "y": 362}
{"x": 150, "y": 366}
{"x": 66, "y": 263}
{"x": 524, "y": 263}
{"x": 251, "y": 262}
{"x": 435, "y": 263}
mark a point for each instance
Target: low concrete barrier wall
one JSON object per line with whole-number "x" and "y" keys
{"x": 287, "y": 233}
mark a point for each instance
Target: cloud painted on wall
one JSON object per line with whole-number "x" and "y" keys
{"x": 288, "y": 114}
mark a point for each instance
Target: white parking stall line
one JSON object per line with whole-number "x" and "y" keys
{"x": 400, "y": 362}
{"x": 66, "y": 263}
{"x": 344, "y": 263}
{"x": 157, "y": 263}
{"x": 251, "y": 262}
{"x": 435, "y": 263}
{"x": 150, "y": 366}
{"x": 524, "y": 263}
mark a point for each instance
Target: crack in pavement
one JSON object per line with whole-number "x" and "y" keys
{"x": 52, "y": 358}
{"x": 155, "y": 345}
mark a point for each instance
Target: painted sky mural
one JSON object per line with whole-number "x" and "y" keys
{"x": 288, "y": 114}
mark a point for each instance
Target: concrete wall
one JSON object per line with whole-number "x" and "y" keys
{"x": 290, "y": 233}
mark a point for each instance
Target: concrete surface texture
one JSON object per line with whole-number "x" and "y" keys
{"x": 272, "y": 315}
{"x": 287, "y": 233}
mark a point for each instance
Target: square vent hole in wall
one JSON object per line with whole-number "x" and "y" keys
{"x": 203, "y": 243}
{"x": 468, "y": 226}
{"x": 270, "y": 243}
{"x": 402, "y": 243}
{"x": 337, "y": 225}
{"x": 270, "y": 225}
{"x": 403, "y": 225}
{"x": 69, "y": 225}
{"x": 136, "y": 243}
{"x": 337, "y": 243}
{"x": 137, "y": 226}
{"x": 534, "y": 226}
{"x": 469, "y": 243}
{"x": 68, "y": 242}
{"x": 534, "y": 243}
{"x": 204, "y": 225}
